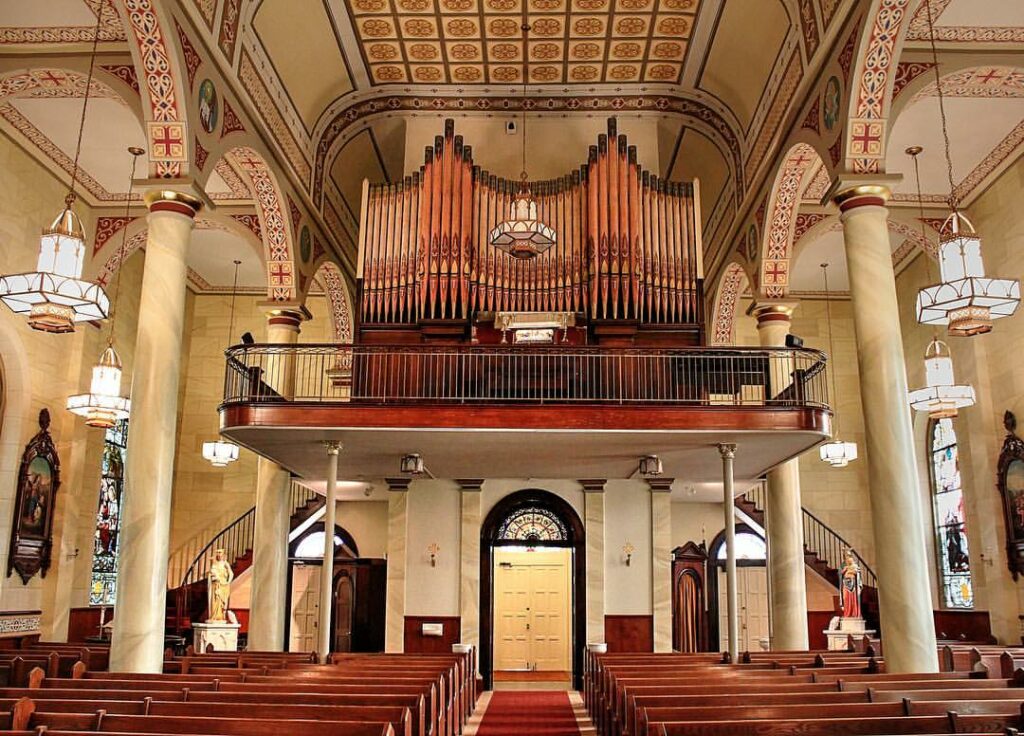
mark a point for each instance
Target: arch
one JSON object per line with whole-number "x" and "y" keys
{"x": 274, "y": 223}
{"x": 783, "y": 203}
{"x": 731, "y": 286}
{"x": 714, "y": 549}
{"x": 333, "y": 283}
{"x": 348, "y": 549}
{"x": 961, "y": 77}
{"x": 575, "y": 539}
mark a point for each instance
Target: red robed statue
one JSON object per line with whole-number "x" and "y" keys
{"x": 850, "y": 587}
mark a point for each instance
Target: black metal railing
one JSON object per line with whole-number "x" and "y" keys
{"x": 379, "y": 374}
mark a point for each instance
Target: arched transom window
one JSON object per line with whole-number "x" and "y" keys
{"x": 533, "y": 525}
{"x": 948, "y": 507}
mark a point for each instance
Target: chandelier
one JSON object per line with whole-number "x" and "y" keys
{"x": 221, "y": 452}
{"x": 836, "y": 452}
{"x": 54, "y": 296}
{"x": 941, "y": 397}
{"x": 965, "y": 299}
{"x": 523, "y": 235}
{"x": 104, "y": 405}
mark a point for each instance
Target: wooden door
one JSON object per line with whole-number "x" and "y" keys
{"x": 305, "y": 613}
{"x": 344, "y": 608}
{"x": 752, "y": 603}
{"x": 532, "y": 611}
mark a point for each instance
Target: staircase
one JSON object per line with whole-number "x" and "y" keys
{"x": 824, "y": 551}
{"x": 186, "y": 600}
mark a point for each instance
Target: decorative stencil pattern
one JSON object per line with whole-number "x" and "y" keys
{"x": 982, "y": 82}
{"x": 331, "y": 281}
{"x": 110, "y": 29}
{"x": 481, "y": 41}
{"x": 779, "y": 240}
{"x": 730, "y": 289}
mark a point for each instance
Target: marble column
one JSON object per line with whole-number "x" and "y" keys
{"x": 398, "y": 529}
{"x": 138, "y": 639}
{"x": 273, "y": 512}
{"x": 787, "y": 589}
{"x": 728, "y": 454}
{"x": 593, "y": 524}
{"x": 661, "y": 561}
{"x": 469, "y": 560}
{"x": 327, "y": 570}
{"x": 901, "y": 554}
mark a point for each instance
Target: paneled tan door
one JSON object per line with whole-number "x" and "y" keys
{"x": 532, "y": 610}
{"x": 752, "y": 598}
{"x": 305, "y": 612}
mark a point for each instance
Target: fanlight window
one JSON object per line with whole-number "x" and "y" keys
{"x": 106, "y": 538}
{"x": 948, "y": 507}
{"x": 312, "y": 546}
{"x": 533, "y": 525}
{"x": 748, "y": 547}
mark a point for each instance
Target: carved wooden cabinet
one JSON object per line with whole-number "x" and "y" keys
{"x": 1010, "y": 481}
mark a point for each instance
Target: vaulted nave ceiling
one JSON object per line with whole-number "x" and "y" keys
{"x": 343, "y": 90}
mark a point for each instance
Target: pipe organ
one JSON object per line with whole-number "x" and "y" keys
{"x": 625, "y": 267}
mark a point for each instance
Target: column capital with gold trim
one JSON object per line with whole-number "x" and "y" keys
{"x": 850, "y": 191}
{"x": 183, "y": 198}
{"x": 772, "y": 310}
{"x": 285, "y": 314}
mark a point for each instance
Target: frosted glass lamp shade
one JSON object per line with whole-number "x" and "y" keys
{"x": 941, "y": 397}
{"x": 837, "y": 453}
{"x": 54, "y": 296}
{"x": 103, "y": 406}
{"x": 522, "y": 236}
{"x": 220, "y": 453}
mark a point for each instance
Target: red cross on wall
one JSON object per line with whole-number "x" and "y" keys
{"x": 775, "y": 272}
{"x": 865, "y": 138}
{"x": 165, "y": 141}
{"x": 280, "y": 273}
{"x": 54, "y": 79}
{"x": 249, "y": 163}
{"x": 988, "y": 76}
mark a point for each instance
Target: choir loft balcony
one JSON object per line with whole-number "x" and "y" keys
{"x": 567, "y": 411}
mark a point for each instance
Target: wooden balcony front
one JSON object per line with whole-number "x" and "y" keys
{"x": 376, "y": 397}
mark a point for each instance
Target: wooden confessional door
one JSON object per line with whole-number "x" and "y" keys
{"x": 532, "y": 610}
{"x": 305, "y": 612}
{"x": 752, "y": 599}
{"x": 690, "y": 613}
{"x": 344, "y": 612}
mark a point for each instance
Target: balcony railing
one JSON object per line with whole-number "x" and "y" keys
{"x": 475, "y": 374}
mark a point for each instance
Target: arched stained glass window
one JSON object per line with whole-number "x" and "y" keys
{"x": 950, "y": 522}
{"x": 748, "y": 547}
{"x": 533, "y": 524}
{"x": 106, "y": 538}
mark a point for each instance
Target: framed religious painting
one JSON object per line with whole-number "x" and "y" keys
{"x": 32, "y": 520}
{"x": 1010, "y": 480}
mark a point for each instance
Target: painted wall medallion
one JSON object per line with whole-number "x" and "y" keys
{"x": 209, "y": 107}
{"x": 752, "y": 243}
{"x": 831, "y": 102}
{"x": 305, "y": 244}
{"x": 32, "y": 520}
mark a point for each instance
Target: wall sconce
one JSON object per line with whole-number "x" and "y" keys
{"x": 628, "y": 550}
{"x": 433, "y": 550}
{"x": 650, "y": 465}
{"x": 412, "y": 464}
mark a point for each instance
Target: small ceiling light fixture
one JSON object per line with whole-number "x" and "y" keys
{"x": 523, "y": 235}
{"x": 104, "y": 405}
{"x": 412, "y": 464}
{"x": 836, "y": 452}
{"x": 965, "y": 299}
{"x": 221, "y": 452}
{"x": 650, "y": 465}
{"x": 55, "y": 296}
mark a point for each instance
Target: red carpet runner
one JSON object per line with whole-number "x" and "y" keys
{"x": 528, "y": 713}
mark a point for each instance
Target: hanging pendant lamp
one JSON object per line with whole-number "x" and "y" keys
{"x": 523, "y": 235}
{"x": 104, "y": 405}
{"x": 965, "y": 299}
{"x": 221, "y": 452}
{"x": 941, "y": 397}
{"x": 54, "y": 296}
{"x": 835, "y": 452}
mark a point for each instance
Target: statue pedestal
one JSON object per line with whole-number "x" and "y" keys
{"x": 221, "y": 635}
{"x": 841, "y": 628}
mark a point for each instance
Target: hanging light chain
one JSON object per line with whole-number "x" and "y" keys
{"x": 135, "y": 152}
{"x": 85, "y": 102}
{"x": 942, "y": 106}
{"x": 526, "y": 68}
{"x": 831, "y": 346}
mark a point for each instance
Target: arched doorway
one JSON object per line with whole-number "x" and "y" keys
{"x": 538, "y": 520}
{"x": 751, "y": 588}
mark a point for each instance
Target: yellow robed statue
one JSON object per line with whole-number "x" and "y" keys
{"x": 218, "y": 581}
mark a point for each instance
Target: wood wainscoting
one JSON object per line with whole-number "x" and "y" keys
{"x": 625, "y": 633}
{"x": 972, "y": 626}
{"x": 416, "y": 643}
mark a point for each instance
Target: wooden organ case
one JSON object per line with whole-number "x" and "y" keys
{"x": 625, "y": 270}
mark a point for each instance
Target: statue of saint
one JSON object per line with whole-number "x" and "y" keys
{"x": 218, "y": 581}
{"x": 849, "y": 587}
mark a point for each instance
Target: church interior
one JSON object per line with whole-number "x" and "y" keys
{"x": 534, "y": 367}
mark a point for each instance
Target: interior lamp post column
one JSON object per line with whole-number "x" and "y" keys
{"x": 728, "y": 453}
{"x": 138, "y": 638}
{"x": 273, "y": 515}
{"x": 783, "y": 514}
{"x": 327, "y": 571}
{"x": 901, "y": 555}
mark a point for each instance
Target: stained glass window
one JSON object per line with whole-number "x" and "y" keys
{"x": 748, "y": 547}
{"x": 950, "y": 521}
{"x": 533, "y": 525}
{"x": 108, "y": 517}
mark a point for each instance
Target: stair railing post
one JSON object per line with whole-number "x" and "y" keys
{"x": 327, "y": 571}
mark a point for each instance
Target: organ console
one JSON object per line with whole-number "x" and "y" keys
{"x": 626, "y": 267}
